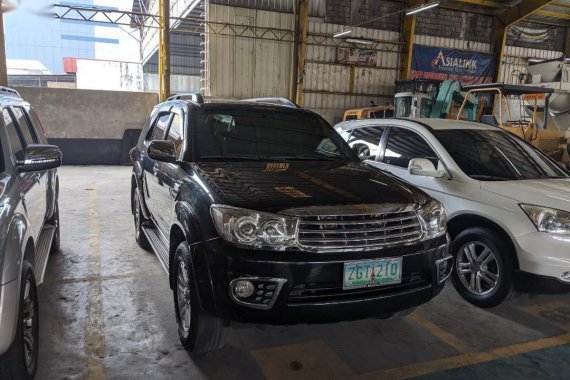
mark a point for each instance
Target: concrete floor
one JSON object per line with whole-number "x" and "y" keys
{"x": 107, "y": 312}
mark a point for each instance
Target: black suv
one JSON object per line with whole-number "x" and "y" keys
{"x": 262, "y": 213}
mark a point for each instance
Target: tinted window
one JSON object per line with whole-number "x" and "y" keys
{"x": 175, "y": 132}
{"x": 266, "y": 133}
{"x": 426, "y": 106}
{"x": 25, "y": 127}
{"x": 368, "y": 136}
{"x": 403, "y": 145}
{"x": 160, "y": 126}
{"x": 13, "y": 136}
{"x": 495, "y": 155}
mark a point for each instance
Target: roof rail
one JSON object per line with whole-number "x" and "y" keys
{"x": 9, "y": 91}
{"x": 196, "y": 97}
{"x": 279, "y": 101}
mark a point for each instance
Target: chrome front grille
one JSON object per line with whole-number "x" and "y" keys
{"x": 358, "y": 231}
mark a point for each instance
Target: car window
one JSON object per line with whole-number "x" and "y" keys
{"x": 266, "y": 133}
{"x": 13, "y": 135}
{"x": 403, "y": 145}
{"x": 366, "y": 137}
{"x": 175, "y": 132}
{"x": 159, "y": 129}
{"x": 23, "y": 122}
{"x": 495, "y": 155}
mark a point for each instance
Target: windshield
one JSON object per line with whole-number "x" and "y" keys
{"x": 403, "y": 106}
{"x": 495, "y": 155}
{"x": 250, "y": 134}
{"x": 425, "y": 109}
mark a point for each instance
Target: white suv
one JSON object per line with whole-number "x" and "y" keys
{"x": 508, "y": 204}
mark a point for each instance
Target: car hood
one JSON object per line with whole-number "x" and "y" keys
{"x": 278, "y": 186}
{"x": 542, "y": 192}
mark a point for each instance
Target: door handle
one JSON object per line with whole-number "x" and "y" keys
{"x": 155, "y": 169}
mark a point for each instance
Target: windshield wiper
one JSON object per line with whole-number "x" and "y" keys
{"x": 306, "y": 157}
{"x": 231, "y": 157}
{"x": 490, "y": 177}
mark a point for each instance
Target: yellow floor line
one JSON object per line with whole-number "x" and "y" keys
{"x": 440, "y": 333}
{"x": 94, "y": 322}
{"x": 464, "y": 360}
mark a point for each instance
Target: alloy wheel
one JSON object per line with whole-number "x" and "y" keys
{"x": 477, "y": 268}
{"x": 29, "y": 321}
{"x": 183, "y": 296}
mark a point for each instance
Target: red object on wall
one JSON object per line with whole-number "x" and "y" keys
{"x": 70, "y": 65}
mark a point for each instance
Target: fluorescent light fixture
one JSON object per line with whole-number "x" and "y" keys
{"x": 360, "y": 41}
{"x": 343, "y": 33}
{"x": 422, "y": 8}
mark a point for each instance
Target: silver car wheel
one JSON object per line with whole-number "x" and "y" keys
{"x": 183, "y": 297}
{"x": 477, "y": 268}
{"x": 137, "y": 216}
{"x": 28, "y": 323}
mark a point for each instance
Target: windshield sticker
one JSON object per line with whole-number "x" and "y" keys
{"x": 291, "y": 191}
{"x": 276, "y": 167}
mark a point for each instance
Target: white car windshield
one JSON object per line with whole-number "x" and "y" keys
{"x": 496, "y": 155}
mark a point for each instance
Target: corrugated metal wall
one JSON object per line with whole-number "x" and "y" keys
{"x": 516, "y": 58}
{"x": 242, "y": 67}
{"x": 452, "y": 43}
{"x": 326, "y": 83}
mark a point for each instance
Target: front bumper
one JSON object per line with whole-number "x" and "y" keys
{"x": 311, "y": 283}
{"x": 9, "y": 309}
{"x": 545, "y": 255}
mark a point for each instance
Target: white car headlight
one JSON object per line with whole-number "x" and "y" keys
{"x": 548, "y": 219}
{"x": 253, "y": 229}
{"x": 433, "y": 218}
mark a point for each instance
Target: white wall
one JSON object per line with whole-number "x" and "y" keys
{"x": 109, "y": 75}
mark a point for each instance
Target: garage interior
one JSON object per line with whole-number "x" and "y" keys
{"x": 106, "y": 305}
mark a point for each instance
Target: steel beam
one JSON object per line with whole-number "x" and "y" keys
{"x": 485, "y": 3}
{"x": 3, "y": 65}
{"x": 303, "y": 30}
{"x": 508, "y": 18}
{"x": 408, "y": 36}
{"x": 164, "y": 50}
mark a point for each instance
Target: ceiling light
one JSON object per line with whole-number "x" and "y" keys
{"x": 360, "y": 41}
{"x": 343, "y": 33}
{"x": 422, "y": 8}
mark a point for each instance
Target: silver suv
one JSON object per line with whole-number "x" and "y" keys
{"x": 29, "y": 230}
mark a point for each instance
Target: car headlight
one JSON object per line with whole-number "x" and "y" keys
{"x": 433, "y": 219}
{"x": 253, "y": 229}
{"x": 547, "y": 219}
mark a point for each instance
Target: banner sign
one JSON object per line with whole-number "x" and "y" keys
{"x": 467, "y": 67}
{"x": 356, "y": 57}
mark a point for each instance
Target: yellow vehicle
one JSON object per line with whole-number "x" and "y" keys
{"x": 375, "y": 112}
{"x": 533, "y": 100}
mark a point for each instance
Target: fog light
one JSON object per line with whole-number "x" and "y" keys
{"x": 243, "y": 289}
{"x": 444, "y": 267}
{"x": 565, "y": 276}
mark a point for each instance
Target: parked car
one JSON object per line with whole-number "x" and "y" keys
{"x": 261, "y": 213}
{"x": 29, "y": 230}
{"x": 508, "y": 204}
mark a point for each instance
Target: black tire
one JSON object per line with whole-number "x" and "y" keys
{"x": 15, "y": 363}
{"x": 202, "y": 332}
{"x": 54, "y": 221}
{"x": 482, "y": 278}
{"x": 139, "y": 219}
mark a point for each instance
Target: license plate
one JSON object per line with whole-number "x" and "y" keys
{"x": 362, "y": 274}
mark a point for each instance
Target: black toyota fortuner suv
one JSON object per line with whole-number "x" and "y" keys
{"x": 262, "y": 213}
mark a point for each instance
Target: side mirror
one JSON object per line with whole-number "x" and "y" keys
{"x": 424, "y": 167}
{"x": 362, "y": 151}
{"x": 38, "y": 157}
{"x": 162, "y": 150}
